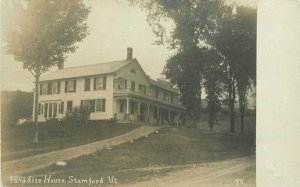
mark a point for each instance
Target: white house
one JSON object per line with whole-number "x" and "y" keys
{"x": 118, "y": 90}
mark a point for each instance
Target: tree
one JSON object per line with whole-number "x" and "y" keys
{"x": 236, "y": 41}
{"x": 213, "y": 84}
{"x": 184, "y": 72}
{"x": 245, "y": 31}
{"x": 186, "y": 26}
{"x": 42, "y": 34}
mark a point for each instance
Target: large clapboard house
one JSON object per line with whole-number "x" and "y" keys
{"x": 118, "y": 90}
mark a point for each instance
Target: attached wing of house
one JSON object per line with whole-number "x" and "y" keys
{"x": 118, "y": 90}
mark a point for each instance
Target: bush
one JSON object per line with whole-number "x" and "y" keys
{"x": 79, "y": 115}
{"x": 15, "y": 105}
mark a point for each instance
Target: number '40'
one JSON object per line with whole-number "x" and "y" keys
{"x": 239, "y": 182}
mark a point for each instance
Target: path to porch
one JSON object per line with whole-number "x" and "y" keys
{"x": 25, "y": 165}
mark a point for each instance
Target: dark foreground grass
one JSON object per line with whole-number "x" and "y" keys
{"x": 169, "y": 147}
{"x": 17, "y": 142}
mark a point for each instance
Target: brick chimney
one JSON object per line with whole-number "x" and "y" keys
{"x": 129, "y": 53}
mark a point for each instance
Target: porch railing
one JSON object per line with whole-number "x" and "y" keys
{"x": 146, "y": 95}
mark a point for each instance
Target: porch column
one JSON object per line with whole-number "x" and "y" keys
{"x": 169, "y": 116}
{"x": 127, "y": 106}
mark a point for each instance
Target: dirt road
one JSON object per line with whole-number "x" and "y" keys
{"x": 227, "y": 173}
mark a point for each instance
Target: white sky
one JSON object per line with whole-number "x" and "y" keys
{"x": 113, "y": 26}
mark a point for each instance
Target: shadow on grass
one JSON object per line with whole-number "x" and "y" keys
{"x": 168, "y": 147}
{"x": 17, "y": 142}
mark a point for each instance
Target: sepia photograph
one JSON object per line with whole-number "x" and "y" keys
{"x": 154, "y": 93}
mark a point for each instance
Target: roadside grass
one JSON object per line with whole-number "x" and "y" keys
{"x": 139, "y": 160}
{"x": 17, "y": 142}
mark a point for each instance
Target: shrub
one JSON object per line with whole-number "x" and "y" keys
{"x": 79, "y": 115}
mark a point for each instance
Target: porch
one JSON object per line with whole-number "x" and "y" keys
{"x": 130, "y": 109}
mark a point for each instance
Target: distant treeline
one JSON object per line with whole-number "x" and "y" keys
{"x": 15, "y": 105}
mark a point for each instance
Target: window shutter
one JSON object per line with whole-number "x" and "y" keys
{"x": 58, "y": 88}
{"x": 39, "y": 109}
{"x": 49, "y": 89}
{"x": 95, "y": 83}
{"x": 74, "y": 85}
{"x": 41, "y": 89}
{"x": 81, "y": 103}
{"x": 62, "y": 107}
{"x": 66, "y": 86}
{"x": 104, "y": 83}
{"x": 103, "y": 105}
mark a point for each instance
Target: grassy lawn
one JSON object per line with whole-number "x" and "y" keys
{"x": 17, "y": 141}
{"x": 169, "y": 147}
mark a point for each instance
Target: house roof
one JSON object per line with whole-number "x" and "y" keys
{"x": 163, "y": 84}
{"x": 86, "y": 70}
{"x": 97, "y": 69}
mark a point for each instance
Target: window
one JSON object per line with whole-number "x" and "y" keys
{"x": 100, "y": 83}
{"x": 62, "y": 107}
{"x": 59, "y": 108}
{"x": 56, "y": 88}
{"x": 122, "y": 104}
{"x": 54, "y": 110}
{"x": 87, "y": 84}
{"x": 172, "y": 98}
{"x": 46, "y": 110}
{"x": 122, "y": 84}
{"x": 69, "y": 105}
{"x": 49, "y": 89}
{"x": 132, "y": 108}
{"x": 40, "y": 111}
{"x": 133, "y": 71}
{"x": 157, "y": 93}
{"x": 100, "y": 105}
{"x": 167, "y": 97}
{"x": 132, "y": 86}
{"x": 155, "y": 113}
{"x": 142, "y": 89}
{"x": 164, "y": 95}
{"x": 92, "y": 105}
{"x": 89, "y": 104}
{"x": 70, "y": 86}
{"x": 43, "y": 89}
{"x": 50, "y": 110}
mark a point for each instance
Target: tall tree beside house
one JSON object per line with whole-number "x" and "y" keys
{"x": 222, "y": 43}
{"x": 213, "y": 83}
{"x": 42, "y": 33}
{"x": 184, "y": 26}
{"x": 236, "y": 41}
{"x": 183, "y": 71}
{"x": 188, "y": 26}
{"x": 245, "y": 47}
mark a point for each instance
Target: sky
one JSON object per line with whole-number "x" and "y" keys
{"x": 113, "y": 26}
